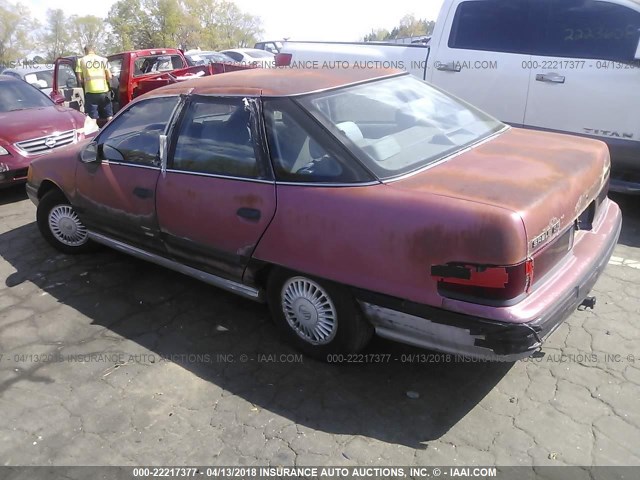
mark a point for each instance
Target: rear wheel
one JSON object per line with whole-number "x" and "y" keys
{"x": 60, "y": 225}
{"x": 317, "y": 316}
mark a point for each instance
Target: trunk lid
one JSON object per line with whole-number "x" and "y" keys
{"x": 548, "y": 179}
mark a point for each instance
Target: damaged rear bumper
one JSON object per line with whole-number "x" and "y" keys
{"x": 478, "y": 337}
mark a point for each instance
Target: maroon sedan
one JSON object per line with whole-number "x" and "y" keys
{"x": 31, "y": 126}
{"x": 351, "y": 202}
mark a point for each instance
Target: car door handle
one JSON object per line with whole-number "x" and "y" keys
{"x": 448, "y": 67}
{"x": 550, "y": 78}
{"x": 142, "y": 192}
{"x": 250, "y": 214}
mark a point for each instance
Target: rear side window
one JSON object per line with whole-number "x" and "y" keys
{"x": 491, "y": 25}
{"x": 302, "y": 153}
{"x": 590, "y": 29}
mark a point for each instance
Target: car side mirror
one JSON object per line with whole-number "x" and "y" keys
{"x": 90, "y": 153}
{"x": 637, "y": 55}
{"x": 57, "y": 98}
{"x": 71, "y": 82}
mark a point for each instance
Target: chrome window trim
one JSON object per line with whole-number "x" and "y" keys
{"x": 318, "y": 184}
{"x": 126, "y": 164}
{"x": 224, "y": 177}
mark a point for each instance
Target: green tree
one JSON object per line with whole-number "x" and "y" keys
{"x": 409, "y": 26}
{"x": 208, "y": 24}
{"x": 56, "y": 37}
{"x": 165, "y": 17}
{"x": 87, "y": 30}
{"x": 130, "y": 27}
{"x": 16, "y": 26}
{"x": 377, "y": 35}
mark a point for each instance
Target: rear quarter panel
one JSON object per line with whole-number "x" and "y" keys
{"x": 385, "y": 240}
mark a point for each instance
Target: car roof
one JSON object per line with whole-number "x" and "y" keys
{"x": 33, "y": 69}
{"x": 273, "y": 82}
{"x": 8, "y": 78}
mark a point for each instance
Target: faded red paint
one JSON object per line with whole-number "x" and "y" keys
{"x": 484, "y": 206}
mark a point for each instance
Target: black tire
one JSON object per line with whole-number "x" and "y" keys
{"x": 55, "y": 202}
{"x": 348, "y": 333}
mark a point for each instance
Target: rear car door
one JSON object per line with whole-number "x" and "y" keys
{"x": 115, "y": 196}
{"x": 584, "y": 78}
{"x": 480, "y": 56}
{"x": 66, "y": 84}
{"x": 218, "y": 194}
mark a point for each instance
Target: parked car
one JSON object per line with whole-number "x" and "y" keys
{"x": 133, "y": 73}
{"x": 563, "y": 66}
{"x": 40, "y": 76}
{"x": 350, "y": 201}
{"x": 32, "y": 126}
{"x": 205, "y": 57}
{"x": 252, "y": 57}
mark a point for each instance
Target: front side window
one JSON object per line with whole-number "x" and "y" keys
{"x": 399, "y": 125}
{"x": 491, "y": 25}
{"x": 590, "y": 29}
{"x": 66, "y": 76}
{"x": 216, "y": 138}
{"x": 134, "y": 136}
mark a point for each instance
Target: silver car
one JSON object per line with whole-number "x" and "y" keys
{"x": 40, "y": 76}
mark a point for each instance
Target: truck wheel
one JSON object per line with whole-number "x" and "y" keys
{"x": 318, "y": 317}
{"x": 60, "y": 225}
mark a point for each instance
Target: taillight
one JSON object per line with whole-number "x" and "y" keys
{"x": 483, "y": 284}
{"x": 283, "y": 59}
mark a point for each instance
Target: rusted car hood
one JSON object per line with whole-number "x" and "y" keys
{"x": 544, "y": 177}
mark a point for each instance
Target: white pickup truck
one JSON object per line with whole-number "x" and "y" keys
{"x": 561, "y": 65}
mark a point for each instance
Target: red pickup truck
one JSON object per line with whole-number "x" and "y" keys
{"x": 133, "y": 73}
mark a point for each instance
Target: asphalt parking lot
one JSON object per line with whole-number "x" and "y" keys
{"x": 107, "y": 360}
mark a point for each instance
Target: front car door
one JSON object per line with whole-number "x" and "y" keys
{"x": 584, "y": 78}
{"x": 116, "y": 194}
{"x": 481, "y": 60}
{"x": 218, "y": 194}
{"x": 65, "y": 84}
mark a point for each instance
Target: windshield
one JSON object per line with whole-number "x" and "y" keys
{"x": 19, "y": 95}
{"x": 401, "y": 124}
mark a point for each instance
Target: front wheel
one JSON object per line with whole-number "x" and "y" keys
{"x": 60, "y": 225}
{"x": 318, "y": 317}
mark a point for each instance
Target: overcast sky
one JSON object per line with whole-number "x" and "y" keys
{"x": 331, "y": 20}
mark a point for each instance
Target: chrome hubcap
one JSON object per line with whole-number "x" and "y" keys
{"x": 309, "y": 310}
{"x": 66, "y": 226}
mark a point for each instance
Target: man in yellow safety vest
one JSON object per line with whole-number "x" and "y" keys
{"x": 94, "y": 74}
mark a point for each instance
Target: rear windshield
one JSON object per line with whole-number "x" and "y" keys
{"x": 157, "y": 63}
{"x": 19, "y": 95}
{"x": 399, "y": 125}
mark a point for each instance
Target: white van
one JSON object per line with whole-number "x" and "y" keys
{"x": 560, "y": 65}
